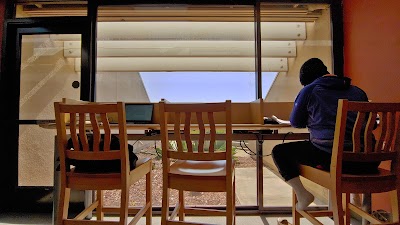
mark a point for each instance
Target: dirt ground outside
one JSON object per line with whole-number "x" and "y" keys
{"x": 137, "y": 190}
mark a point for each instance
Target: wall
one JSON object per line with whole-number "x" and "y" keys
{"x": 372, "y": 47}
{"x": 371, "y": 53}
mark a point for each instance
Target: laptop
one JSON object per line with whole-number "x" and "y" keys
{"x": 139, "y": 113}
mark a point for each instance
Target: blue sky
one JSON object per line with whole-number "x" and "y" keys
{"x": 204, "y": 86}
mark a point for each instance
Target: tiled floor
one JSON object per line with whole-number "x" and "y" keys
{"x": 46, "y": 219}
{"x": 277, "y": 193}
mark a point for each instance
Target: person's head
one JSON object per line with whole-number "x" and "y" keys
{"x": 311, "y": 70}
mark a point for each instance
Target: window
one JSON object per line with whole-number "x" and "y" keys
{"x": 181, "y": 53}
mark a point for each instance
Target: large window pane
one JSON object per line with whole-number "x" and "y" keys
{"x": 295, "y": 32}
{"x": 182, "y": 54}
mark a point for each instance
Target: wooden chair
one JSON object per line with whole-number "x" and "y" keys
{"x": 386, "y": 148}
{"x": 93, "y": 117}
{"x": 199, "y": 169}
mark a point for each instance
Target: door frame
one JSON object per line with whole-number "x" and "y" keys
{"x": 15, "y": 198}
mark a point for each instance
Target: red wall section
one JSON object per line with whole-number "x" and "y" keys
{"x": 372, "y": 47}
{"x": 372, "y": 54}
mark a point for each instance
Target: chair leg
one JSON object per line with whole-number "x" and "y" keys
{"x": 337, "y": 207}
{"x": 63, "y": 205}
{"x": 347, "y": 213}
{"x": 395, "y": 202}
{"x": 181, "y": 206}
{"x": 295, "y": 214}
{"x": 123, "y": 216}
{"x": 230, "y": 196}
{"x": 148, "y": 198}
{"x": 234, "y": 201}
{"x": 165, "y": 205}
{"x": 229, "y": 205}
{"x": 99, "y": 209}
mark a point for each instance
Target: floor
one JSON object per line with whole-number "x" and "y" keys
{"x": 276, "y": 193}
{"x": 46, "y": 219}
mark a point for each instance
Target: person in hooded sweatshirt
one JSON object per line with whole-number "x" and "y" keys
{"x": 315, "y": 107}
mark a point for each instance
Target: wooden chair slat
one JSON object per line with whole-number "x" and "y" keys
{"x": 368, "y": 135}
{"x": 202, "y": 131}
{"x": 74, "y": 134}
{"x": 383, "y": 125}
{"x": 107, "y": 132}
{"x": 82, "y": 132}
{"x": 177, "y": 132}
{"x": 390, "y": 131}
{"x": 213, "y": 131}
{"x": 357, "y": 131}
{"x": 96, "y": 132}
{"x": 396, "y": 139}
{"x": 188, "y": 140}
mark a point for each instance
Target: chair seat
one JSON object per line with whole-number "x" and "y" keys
{"x": 382, "y": 173}
{"x": 307, "y": 170}
{"x": 383, "y": 181}
{"x": 199, "y": 168}
{"x": 141, "y": 161}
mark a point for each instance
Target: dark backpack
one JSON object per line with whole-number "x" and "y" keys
{"x": 101, "y": 166}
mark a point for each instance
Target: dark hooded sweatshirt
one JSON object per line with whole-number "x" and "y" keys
{"x": 316, "y": 105}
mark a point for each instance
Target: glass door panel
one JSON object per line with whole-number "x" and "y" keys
{"x": 46, "y": 75}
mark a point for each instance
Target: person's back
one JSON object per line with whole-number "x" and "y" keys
{"x": 318, "y": 102}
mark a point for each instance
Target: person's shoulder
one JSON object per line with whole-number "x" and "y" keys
{"x": 357, "y": 88}
{"x": 305, "y": 92}
{"x": 309, "y": 87}
{"x": 359, "y": 91}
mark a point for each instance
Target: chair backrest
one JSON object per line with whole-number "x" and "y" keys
{"x": 80, "y": 120}
{"x": 179, "y": 120}
{"x": 374, "y": 121}
{"x": 73, "y": 101}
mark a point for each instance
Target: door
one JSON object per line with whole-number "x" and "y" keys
{"x": 36, "y": 73}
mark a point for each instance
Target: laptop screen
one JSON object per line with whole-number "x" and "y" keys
{"x": 139, "y": 113}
